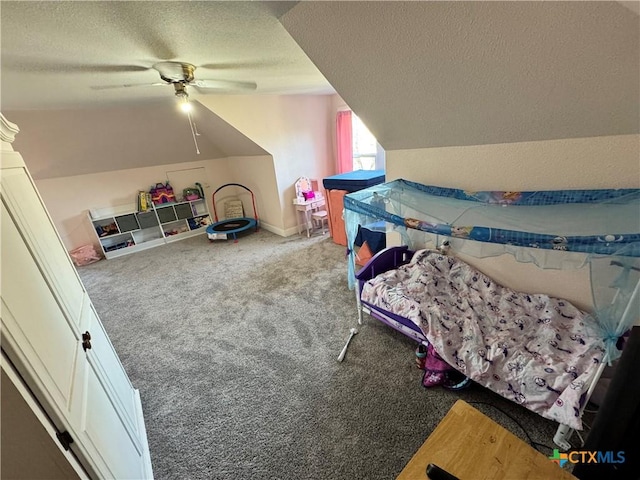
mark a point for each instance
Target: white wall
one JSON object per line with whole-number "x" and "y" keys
{"x": 257, "y": 175}
{"x": 570, "y": 163}
{"x": 68, "y": 199}
{"x": 573, "y": 163}
{"x": 294, "y": 129}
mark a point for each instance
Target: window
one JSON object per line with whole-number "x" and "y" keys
{"x": 364, "y": 145}
{"x": 356, "y": 147}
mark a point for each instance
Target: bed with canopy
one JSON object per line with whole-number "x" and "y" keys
{"x": 436, "y": 298}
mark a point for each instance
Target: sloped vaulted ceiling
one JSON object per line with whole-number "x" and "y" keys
{"x": 430, "y": 74}
{"x": 60, "y": 143}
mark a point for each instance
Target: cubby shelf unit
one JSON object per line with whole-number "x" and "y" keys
{"x": 123, "y": 230}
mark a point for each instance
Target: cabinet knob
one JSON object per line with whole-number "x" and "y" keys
{"x": 86, "y": 341}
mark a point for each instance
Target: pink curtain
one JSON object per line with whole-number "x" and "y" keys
{"x": 344, "y": 141}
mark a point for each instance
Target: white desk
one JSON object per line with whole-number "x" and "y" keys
{"x": 304, "y": 209}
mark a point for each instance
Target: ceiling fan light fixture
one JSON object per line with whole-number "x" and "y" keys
{"x": 185, "y": 105}
{"x": 183, "y": 97}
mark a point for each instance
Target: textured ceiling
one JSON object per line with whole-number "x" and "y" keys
{"x": 54, "y": 52}
{"x": 420, "y": 74}
{"x": 429, "y": 74}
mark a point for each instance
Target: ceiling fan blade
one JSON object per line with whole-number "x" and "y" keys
{"x": 235, "y": 65}
{"x": 108, "y": 87}
{"x": 224, "y": 85}
{"x": 110, "y": 68}
{"x": 36, "y": 65}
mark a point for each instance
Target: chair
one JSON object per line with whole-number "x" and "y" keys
{"x": 320, "y": 218}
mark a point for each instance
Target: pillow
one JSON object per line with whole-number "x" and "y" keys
{"x": 364, "y": 254}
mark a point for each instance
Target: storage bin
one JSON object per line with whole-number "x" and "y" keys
{"x": 337, "y": 187}
{"x": 84, "y": 255}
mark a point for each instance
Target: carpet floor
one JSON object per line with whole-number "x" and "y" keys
{"x": 234, "y": 348}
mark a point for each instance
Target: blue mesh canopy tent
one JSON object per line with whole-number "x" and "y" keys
{"x": 553, "y": 229}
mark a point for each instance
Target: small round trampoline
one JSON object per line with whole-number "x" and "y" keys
{"x": 230, "y": 227}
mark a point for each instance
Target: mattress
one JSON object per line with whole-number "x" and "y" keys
{"x": 354, "y": 181}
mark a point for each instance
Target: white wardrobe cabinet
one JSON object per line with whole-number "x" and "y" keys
{"x": 53, "y": 337}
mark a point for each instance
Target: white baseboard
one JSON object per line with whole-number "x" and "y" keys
{"x": 280, "y": 231}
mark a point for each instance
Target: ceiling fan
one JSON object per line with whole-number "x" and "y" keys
{"x": 181, "y": 75}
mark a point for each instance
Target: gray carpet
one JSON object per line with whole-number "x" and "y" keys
{"x": 233, "y": 347}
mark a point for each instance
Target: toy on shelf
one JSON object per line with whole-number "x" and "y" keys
{"x": 191, "y": 193}
{"x": 197, "y": 222}
{"x": 162, "y": 193}
{"x": 144, "y": 201}
{"x": 108, "y": 229}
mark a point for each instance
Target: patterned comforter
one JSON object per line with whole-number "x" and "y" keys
{"x": 539, "y": 351}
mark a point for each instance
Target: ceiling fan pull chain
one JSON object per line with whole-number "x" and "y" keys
{"x": 193, "y": 133}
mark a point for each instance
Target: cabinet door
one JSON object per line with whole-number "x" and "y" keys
{"x": 44, "y": 312}
{"x": 34, "y": 325}
{"x": 22, "y": 200}
{"x": 107, "y": 408}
